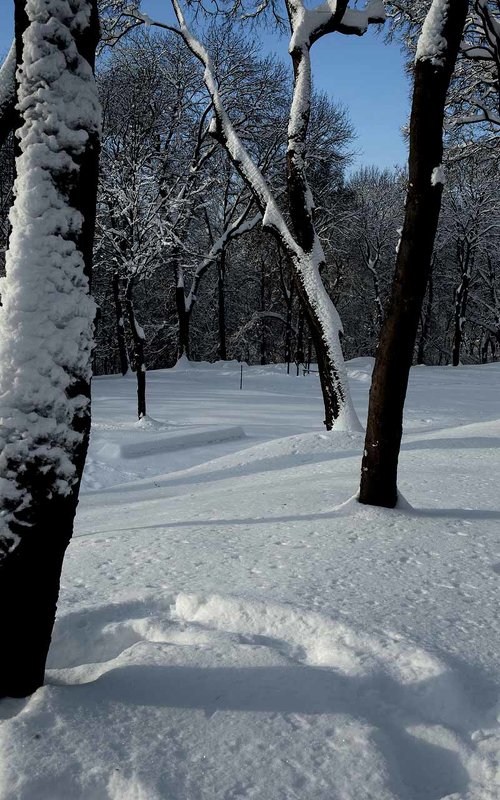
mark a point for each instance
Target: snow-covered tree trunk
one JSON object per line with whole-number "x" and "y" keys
{"x": 436, "y": 54}
{"x": 46, "y": 326}
{"x": 322, "y": 316}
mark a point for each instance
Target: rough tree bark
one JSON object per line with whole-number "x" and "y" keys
{"x": 45, "y": 347}
{"x": 434, "y": 67}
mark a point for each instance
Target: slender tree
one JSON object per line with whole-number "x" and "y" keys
{"x": 436, "y": 54}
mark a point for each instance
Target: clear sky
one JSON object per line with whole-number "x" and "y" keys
{"x": 365, "y": 74}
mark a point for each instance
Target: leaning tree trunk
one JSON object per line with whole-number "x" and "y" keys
{"x": 138, "y": 340}
{"x": 322, "y": 317}
{"x": 435, "y": 61}
{"x": 46, "y": 326}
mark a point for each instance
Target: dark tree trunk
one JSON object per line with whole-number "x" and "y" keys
{"x": 138, "y": 340}
{"x": 288, "y": 328}
{"x": 30, "y": 573}
{"x": 423, "y": 203}
{"x": 221, "y": 296}
{"x": 183, "y": 317}
{"x": 426, "y": 322}
{"x": 120, "y": 326}
{"x": 263, "y": 342}
{"x": 309, "y": 354}
{"x": 299, "y": 353}
{"x": 461, "y": 298}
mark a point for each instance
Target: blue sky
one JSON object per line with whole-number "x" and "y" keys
{"x": 365, "y": 74}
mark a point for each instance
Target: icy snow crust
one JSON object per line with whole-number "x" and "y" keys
{"x": 46, "y": 316}
{"x": 230, "y": 627}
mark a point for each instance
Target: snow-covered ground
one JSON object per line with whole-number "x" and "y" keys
{"x": 230, "y": 627}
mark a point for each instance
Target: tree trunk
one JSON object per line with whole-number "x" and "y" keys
{"x": 461, "y": 297}
{"x": 288, "y": 328}
{"x": 426, "y": 322}
{"x": 423, "y": 203}
{"x": 183, "y": 317}
{"x": 221, "y": 296}
{"x": 138, "y": 340}
{"x": 120, "y": 326}
{"x": 263, "y": 342}
{"x": 322, "y": 317}
{"x": 299, "y": 352}
{"x": 39, "y": 506}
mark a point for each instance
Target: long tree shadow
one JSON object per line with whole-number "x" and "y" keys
{"x": 269, "y": 464}
{"x": 419, "y": 769}
{"x": 438, "y": 513}
{"x": 454, "y": 443}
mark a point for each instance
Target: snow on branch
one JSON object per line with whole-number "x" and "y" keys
{"x": 310, "y": 24}
{"x": 432, "y": 44}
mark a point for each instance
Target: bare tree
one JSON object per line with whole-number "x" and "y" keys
{"x": 299, "y": 241}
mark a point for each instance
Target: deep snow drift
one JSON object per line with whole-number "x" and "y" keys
{"x": 230, "y": 627}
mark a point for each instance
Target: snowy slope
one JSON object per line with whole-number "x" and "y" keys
{"x": 230, "y": 627}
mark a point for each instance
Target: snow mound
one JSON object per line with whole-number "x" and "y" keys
{"x": 295, "y": 449}
{"x": 182, "y": 697}
{"x": 150, "y": 424}
{"x": 157, "y": 440}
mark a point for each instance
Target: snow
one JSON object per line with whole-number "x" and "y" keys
{"x": 47, "y": 315}
{"x": 431, "y": 45}
{"x": 231, "y": 625}
{"x": 438, "y": 175}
